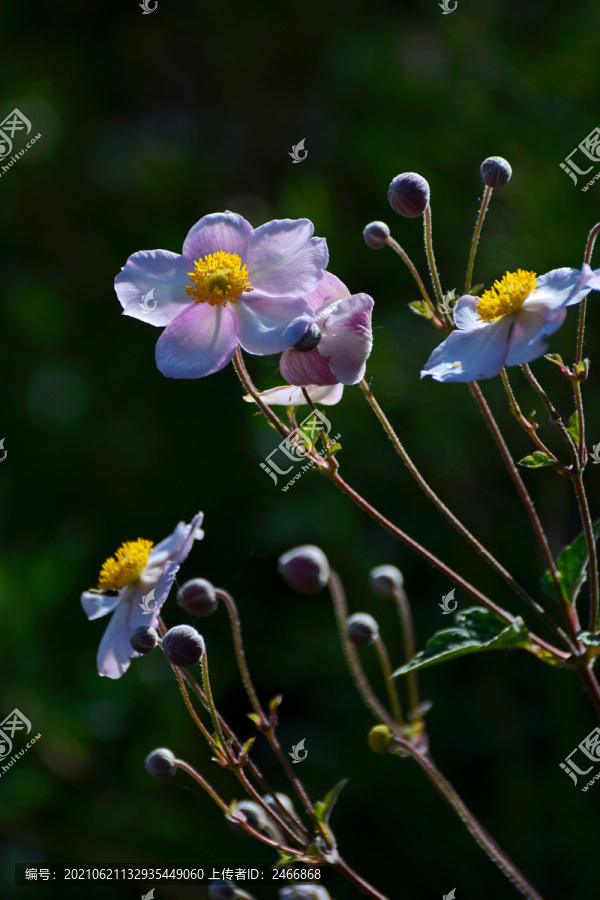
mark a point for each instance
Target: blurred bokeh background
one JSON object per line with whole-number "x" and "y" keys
{"x": 149, "y": 122}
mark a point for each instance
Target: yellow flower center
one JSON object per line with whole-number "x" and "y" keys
{"x": 506, "y": 295}
{"x": 126, "y": 566}
{"x": 217, "y": 278}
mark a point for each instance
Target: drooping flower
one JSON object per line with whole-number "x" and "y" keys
{"x": 232, "y": 284}
{"x": 336, "y": 346}
{"x": 506, "y": 326}
{"x": 133, "y": 585}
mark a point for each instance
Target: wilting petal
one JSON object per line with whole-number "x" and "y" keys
{"x": 288, "y": 395}
{"x": 330, "y": 288}
{"x": 219, "y": 231}
{"x": 95, "y": 605}
{"x": 306, "y": 368}
{"x": 115, "y": 652}
{"x": 200, "y": 341}
{"x": 471, "y": 355}
{"x": 347, "y": 338}
{"x": 284, "y": 259}
{"x": 270, "y": 324}
{"x": 161, "y": 272}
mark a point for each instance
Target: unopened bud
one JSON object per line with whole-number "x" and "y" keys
{"x": 161, "y": 763}
{"x": 362, "y": 629}
{"x": 253, "y": 814}
{"x": 183, "y": 645}
{"x": 305, "y": 568}
{"x": 198, "y": 597}
{"x": 144, "y": 639}
{"x": 376, "y": 235}
{"x": 222, "y": 889}
{"x": 495, "y": 171}
{"x": 408, "y": 194}
{"x": 385, "y": 580}
{"x": 380, "y": 738}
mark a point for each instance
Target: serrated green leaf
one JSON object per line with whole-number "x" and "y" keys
{"x": 572, "y": 568}
{"x": 324, "y": 807}
{"x": 476, "y": 629}
{"x": 589, "y": 639}
{"x": 537, "y": 460}
{"x": 573, "y": 427}
{"x": 421, "y": 308}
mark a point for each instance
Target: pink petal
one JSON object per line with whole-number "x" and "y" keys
{"x": 284, "y": 259}
{"x": 219, "y": 231}
{"x": 200, "y": 341}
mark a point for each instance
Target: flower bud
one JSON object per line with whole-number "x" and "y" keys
{"x": 379, "y": 738}
{"x": 222, "y": 889}
{"x": 376, "y": 235}
{"x": 253, "y": 814}
{"x": 385, "y": 580}
{"x": 161, "y": 763}
{"x": 304, "y": 892}
{"x": 284, "y": 800}
{"x": 183, "y": 645}
{"x": 408, "y": 194}
{"x": 495, "y": 171}
{"x": 362, "y": 629}
{"x": 144, "y": 639}
{"x": 310, "y": 339}
{"x": 198, "y": 597}
{"x": 305, "y": 568}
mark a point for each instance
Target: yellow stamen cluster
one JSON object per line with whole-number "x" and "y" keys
{"x": 217, "y": 278}
{"x": 126, "y": 566}
{"x": 506, "y": 295}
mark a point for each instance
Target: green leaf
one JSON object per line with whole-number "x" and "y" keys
{"x": 589, "y": 639}
{"x": 475, "y": 290}
{"x": 537, "y": 460}
{"x": 573, "y": 427}
{"x": 324, "y": 807}
{"x": 572, "y": 568}
{"x": 476, "y": 629}
{"x": 421, "y": 308}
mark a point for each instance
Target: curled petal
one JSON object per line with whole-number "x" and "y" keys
{"x": 306, "y": 368}
{"x": 97, "y": 604}
{"x": 347, "y": 338}
{"x": 526, "y": 341}
{"x": 330, "y": 288}
{"x": 289, "y": 395}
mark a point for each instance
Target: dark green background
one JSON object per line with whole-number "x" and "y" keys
{"x": 148, "y": 123}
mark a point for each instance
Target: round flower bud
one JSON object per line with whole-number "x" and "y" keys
{"x": 222, "y": 889}
{"x": 183, "y": 645}
{"x": 305, "y": 568}
{"x": 408, "y": 194}
{"x": 198, "y": 597}
{"x": 161, "y": 763}
{"x": 385, "y": 580}
{"x": 304, "y": 892}
{"x": 362, "y": 629}
{"x": 379, "y": 738}
{"x": 284, "y": 800}
{"x": 310, "y": 339}
{"x": 495, "y": 171}
{"x": 376, "y": 235}
{"x": 144, "y": 639}
{"x": 253, "y": 814}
